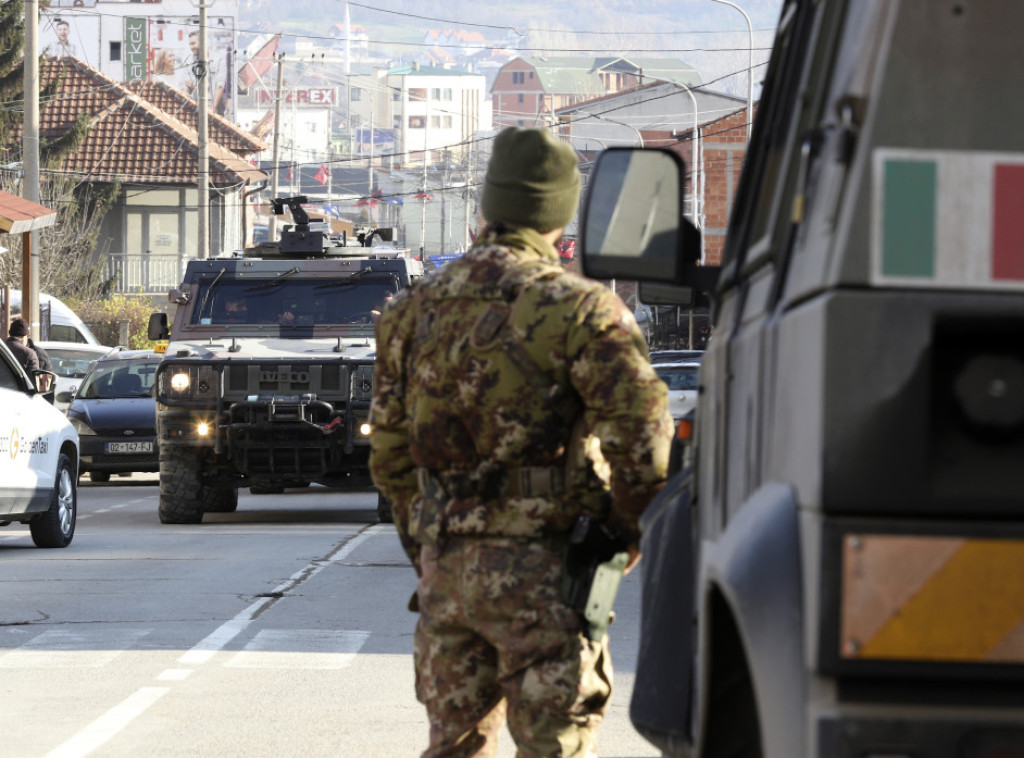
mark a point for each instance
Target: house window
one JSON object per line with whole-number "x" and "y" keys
{"x": 446, "y": 122}
{"x": 417, "y": 122}
{"x": 115, "y": 51}
{"x": 518, "y": 77}
{"x": 396, "y": 122}
{"x": 417, "y": 93}
{"x": 446, "y": 94}
{"x": 521, "y": 98}
{"x": 357, "y": 94}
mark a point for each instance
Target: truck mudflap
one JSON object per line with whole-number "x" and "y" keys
{"x": 662, "y": 705}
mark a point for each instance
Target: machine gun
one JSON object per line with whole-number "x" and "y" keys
{"x": 311, "y": 237}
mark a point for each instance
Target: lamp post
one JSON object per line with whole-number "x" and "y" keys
{"x": 750, "y": 64}
{"x": 696, "y": 172}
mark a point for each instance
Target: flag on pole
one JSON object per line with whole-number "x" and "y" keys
{"x": 424, "y": 197}
{"x": 322, "y": 175}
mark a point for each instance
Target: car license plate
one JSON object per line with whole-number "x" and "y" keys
{"x": 129, "y": 447}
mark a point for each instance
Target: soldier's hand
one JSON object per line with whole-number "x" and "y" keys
{"x": 634, "y": 558}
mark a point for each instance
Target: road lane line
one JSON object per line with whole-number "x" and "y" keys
{"x": 222, "y": 635}
{"x": 109, "y": 724}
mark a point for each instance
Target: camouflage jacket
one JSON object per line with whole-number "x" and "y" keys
{"x": 486, "y": 364}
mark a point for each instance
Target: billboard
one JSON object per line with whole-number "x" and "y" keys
{"x": 69, "y": 34}
{"x": 173, "y": 57}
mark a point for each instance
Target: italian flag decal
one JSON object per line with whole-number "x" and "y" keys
{"x": 948, "y": 219}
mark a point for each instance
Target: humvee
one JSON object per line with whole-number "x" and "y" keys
{"x": 268, "y": 373}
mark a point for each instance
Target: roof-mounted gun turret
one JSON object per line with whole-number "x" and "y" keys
{"x": 312, "y": 238}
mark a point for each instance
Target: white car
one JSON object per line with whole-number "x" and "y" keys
{"x": 681, "y": 379}
{"x": 71, "y": 362}
{"x": 38, "y": 458}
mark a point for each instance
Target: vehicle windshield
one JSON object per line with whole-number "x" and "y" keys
{"x": 72, "y": 363}
{"x": 290, "y": 301}
{"x": 678, "y": 377}
{"x": 119, "y": 379}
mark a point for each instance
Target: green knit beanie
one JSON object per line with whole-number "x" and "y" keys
{"x": 532, "y": 180}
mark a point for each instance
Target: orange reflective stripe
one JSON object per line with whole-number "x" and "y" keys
{"x": 971, "y": 609}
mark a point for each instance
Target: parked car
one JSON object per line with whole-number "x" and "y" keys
{"x": 38, "y": 458}
{"x": 71, "y": 362}
{"x": 676, "y": 356}
{"x": 681, "y": 379}
{"x": 114, "y": 412}
{"x": 65, "y": 325}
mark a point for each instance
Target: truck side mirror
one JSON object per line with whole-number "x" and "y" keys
{"x": 158, "y": 327}
{"x": 633, "y": 224}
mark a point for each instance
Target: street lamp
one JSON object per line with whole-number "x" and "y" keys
{"x": 750, "y": 64}
{"x": 696, "y": 173}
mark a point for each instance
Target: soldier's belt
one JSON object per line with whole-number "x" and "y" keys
{"x": 522, "y": 481}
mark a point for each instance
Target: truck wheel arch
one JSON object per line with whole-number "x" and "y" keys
{"x": 752, "y": 619}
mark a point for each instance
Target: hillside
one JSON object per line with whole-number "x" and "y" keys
{"x": 710, "y": 36}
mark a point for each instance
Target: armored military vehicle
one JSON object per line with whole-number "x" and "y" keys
{"x": 838, "y": 569}
{"x": 268, "y": 372}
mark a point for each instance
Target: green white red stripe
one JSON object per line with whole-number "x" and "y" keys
{"x": 948, "y": 219}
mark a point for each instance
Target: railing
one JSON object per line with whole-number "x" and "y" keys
{"x": 145, "y": 273}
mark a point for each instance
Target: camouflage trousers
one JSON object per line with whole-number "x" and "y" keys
{"x": 495, "y": 642}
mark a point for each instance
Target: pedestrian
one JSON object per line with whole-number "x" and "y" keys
{"x": 510, "y": 398}
{"x": 17, "y": 341}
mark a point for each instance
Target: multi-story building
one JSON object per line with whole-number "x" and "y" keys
{"x": 528, "y": 91}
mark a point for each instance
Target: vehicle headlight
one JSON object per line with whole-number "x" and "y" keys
{"x": 80, "y": 426}
{"x": 179, "y": 382}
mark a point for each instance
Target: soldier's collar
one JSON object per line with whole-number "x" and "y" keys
{"x": 519, "y": 238}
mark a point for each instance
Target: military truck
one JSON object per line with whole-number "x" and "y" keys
{"x": 837, "y": 570}
{"x": 268, "y": 371}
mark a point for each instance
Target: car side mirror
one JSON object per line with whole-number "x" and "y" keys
{"x": 158, "y": 327}
{"x": 65, "y": 397}
{"x": 45, "y": 383}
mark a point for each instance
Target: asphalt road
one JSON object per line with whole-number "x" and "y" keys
{"x": 279, "y": 630}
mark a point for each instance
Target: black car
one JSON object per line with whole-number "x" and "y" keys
{"x": 676, "y": 356}
{"x": 115, "y": 414}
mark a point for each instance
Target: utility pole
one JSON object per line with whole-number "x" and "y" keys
{"x": 274, "y": 168}
{"x": 202, "y": 71}
{"x": 370, "y": 161}
{"x": 426, "y": 152}
{"x": 30, "y": 260}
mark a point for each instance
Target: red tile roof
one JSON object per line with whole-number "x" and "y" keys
{"x": 134, "y": 139}
{"x": 184, "y": 108}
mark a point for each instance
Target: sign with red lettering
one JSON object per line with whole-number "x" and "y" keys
{"x": 314, "y": 97}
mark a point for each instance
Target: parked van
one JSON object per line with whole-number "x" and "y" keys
{"x": 65, "y": 325}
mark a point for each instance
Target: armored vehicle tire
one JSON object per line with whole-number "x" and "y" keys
{"x": 56, "y": 527}
{"x": 264, "y": 488}
{"x": 220, "y": 500}
{"x": 384, "y": 514}
{"x": 99, "y": 476}
{"x": 182, "y": 496}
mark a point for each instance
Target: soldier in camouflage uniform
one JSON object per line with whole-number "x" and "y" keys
{"x": 496, "y": 378}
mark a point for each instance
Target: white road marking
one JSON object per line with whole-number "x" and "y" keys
{"x": 109, "y": 724}
{"x": 62, "y": 649}
{"x": 117, "y": 718}
{"x": 287, "y": 649}
{"x": 174, "y": 675}
{"x": 227, "y": 631}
